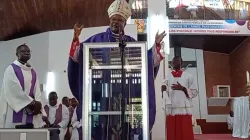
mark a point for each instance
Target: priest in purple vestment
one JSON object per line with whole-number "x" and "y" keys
{"x": 119, "y": 11}
{"x": 20, "y": 98}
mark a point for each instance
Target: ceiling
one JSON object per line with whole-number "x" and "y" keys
{"x": 20, "y": 18}
{"x": 221, "y": 44}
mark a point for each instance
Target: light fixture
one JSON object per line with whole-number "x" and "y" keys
{"x": 137, "y": 5}
{"x": 158, "y": 23}
{"x": 50, "y": 84}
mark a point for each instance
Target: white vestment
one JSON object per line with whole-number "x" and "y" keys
{"x": 14, "y": 98}
{"x": 52, "y": 117}
{"x": 230, "y": 122}
{"x": 75, "y": 125}
{"x": 180, "y": 104}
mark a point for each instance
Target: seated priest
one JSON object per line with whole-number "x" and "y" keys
{"x": 20, "y": 98}
{"x": 57, "y": 115}
{"x": 119, "y": 12}
{"x": 66, "y": 102}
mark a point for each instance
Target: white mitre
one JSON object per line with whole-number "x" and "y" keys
{"x": 120, "y": 7}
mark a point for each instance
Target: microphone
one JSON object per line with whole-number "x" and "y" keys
{"x": 122, "y": 38}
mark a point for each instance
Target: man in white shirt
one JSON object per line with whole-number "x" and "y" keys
{"x": 230, "y": 120}
{"x": 20, "y": 98}
{"x": 57, "y": 115}
{"x": 181, "y": 88}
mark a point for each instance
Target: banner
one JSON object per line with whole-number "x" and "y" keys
{"x": 201, "y": 27}
{"x": 208, "y": 9}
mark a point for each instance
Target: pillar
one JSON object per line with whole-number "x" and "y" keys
{"x": 157, "y": 20}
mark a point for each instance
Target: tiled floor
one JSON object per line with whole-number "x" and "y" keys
{"x": 215, "y": 137}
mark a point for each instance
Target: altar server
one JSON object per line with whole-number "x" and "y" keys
{"x": 119, "y": 12}
{"x": 20, "y": 99}
{"x": 181, "y": 89}
{"x": 57, "y": 115}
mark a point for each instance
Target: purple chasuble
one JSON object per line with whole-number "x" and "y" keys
{"x": 18, "y": 116}
{"x": 58, "y": 113}
{"x": 75, "y": 73}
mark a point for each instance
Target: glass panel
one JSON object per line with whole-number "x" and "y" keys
{"x": 106, "y": 90}
{"x": 112, "y": 56}
{"x": 103, "y": 92}
{"x": 107, "y": 127}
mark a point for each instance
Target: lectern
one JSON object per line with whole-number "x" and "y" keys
{"x": 102, "y": 91}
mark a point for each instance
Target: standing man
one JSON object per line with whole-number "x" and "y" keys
{"x": 119, "y": 11}
{"x": 20, "y": 99}
{"x": 181, "y": 89}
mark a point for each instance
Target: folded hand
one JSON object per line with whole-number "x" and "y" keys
{"x": 37, "y": 108}
{"x": 163, "y": 88}
{"x": 56, "y": 126}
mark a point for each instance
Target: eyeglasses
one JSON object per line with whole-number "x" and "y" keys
{"x": 25, "y": 51}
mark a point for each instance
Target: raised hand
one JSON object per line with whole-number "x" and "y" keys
{"x": 77, "y": 31}
{"x": 46, "y": 120}
{"x": 37, "y": 108}
{"x": 159, "y": 37}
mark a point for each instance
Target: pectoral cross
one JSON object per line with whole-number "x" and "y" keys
{"x": 117, "y": 132}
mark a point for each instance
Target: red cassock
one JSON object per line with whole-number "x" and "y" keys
{"x": 179, "y": 127}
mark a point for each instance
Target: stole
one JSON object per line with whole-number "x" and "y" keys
{"x": 18, "y": 116}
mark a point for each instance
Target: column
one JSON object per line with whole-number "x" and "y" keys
{"x": 157, "y": 20}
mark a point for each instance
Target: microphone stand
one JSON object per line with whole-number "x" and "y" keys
{"x": 122, "y": 46}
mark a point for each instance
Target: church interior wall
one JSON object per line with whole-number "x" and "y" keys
{"x": 225, "y": 69}
{"x": 239, "y": 61}
{"x": 50, "y": 52}
{"x": 39, "y": 45}
{"x": 217, "y": 72}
